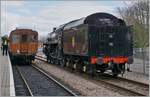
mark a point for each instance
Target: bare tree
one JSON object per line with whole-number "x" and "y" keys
{"x": 137, "y": 15}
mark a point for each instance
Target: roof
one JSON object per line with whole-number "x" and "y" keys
{"x": 87, "y": 20}
{"x": 74, "y": 23}
{"x": 23, "y": 31}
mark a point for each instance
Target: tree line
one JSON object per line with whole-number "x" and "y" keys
{"x": 137, "y": 15}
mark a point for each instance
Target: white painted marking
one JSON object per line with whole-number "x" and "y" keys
{"x": 12, "y": 88}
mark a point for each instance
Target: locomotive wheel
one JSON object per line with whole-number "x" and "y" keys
{"x": 77, "y": 66}
{"x": 53, "y": 62}
{"x": 74, "y": 66}
{"x": 102, "y": 71}
{"x": 122, "y": 66}
{"x": 47, "y": 59}
{"x": 59, "y": 61}
{"x": 115, "y": 75}
{"x": 50, "y": 61}
{"x": 92, "y": 70}
{"x": 62, "y": 63}
{"x": 84, "y": 68}
{"x": 81, "y": 67}
{"x": 70, "y": 64}
{"x": 56, "y": 62}
{"x": 67, "y": 63}
{"x": 115, "y": 70}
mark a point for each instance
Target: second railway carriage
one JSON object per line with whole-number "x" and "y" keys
{"x": 98, "y": 42}
{"x": 23, "y": 45}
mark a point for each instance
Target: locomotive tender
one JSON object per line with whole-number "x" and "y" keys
{"x": 98, "y": 42}
{"x": 23, "y": 45}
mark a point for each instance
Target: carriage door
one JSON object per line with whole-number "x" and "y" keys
{"x": 24, "y": 44}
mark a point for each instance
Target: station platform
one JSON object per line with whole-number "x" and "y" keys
{"x": 6, "y": 76}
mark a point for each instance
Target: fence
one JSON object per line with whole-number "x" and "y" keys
{"x": 141, "y": 60}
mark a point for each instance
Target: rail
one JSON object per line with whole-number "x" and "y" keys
{"x": 127, "y": 89}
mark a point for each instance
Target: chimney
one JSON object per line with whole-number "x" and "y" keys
{"x": 54, "y": 29}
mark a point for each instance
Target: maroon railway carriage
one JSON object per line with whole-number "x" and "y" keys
{"x": 23, "y": 45}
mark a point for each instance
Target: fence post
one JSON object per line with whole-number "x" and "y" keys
{"x": 143, "y": 60}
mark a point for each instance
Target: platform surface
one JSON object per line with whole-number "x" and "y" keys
{"x": 6, "y": 76}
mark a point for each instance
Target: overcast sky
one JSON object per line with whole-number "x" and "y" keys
{"x": 42, "y": 16}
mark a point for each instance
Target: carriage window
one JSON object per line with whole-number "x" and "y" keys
{"x": 24, "y": 38}
{"x": 32, "y": 38}
{"x": 35, "y": 38}
{"x": 15, "y": 38}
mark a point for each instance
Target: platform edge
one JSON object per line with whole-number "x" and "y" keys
{"x": 12, "y": 88}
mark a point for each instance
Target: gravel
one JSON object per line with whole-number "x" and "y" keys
{"x": 85, "y": 87}
{"x": 130, "y": 85}
{"x": 137, "y": 77}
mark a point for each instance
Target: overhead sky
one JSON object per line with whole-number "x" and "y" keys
{"x": 42, "y": 16}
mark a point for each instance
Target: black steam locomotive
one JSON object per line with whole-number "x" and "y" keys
{"x": 96, "y": 43}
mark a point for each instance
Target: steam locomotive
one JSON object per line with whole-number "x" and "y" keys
{"x": 96, "y": 43}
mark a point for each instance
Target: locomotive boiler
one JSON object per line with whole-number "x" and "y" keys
{"x": 96, "y": 43}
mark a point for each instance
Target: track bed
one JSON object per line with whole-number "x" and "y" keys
{"x": 38, "y": 83}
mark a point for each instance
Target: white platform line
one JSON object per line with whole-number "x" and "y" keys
{"x": 12, "y": 88}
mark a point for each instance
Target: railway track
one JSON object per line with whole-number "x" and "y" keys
{"x": 127, "y": 86}
{"x": 133, "y": 87}
{"x": 38, "y": 83}
{"x": 21, "y": 86}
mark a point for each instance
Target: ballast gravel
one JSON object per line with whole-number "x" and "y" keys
{"x": 78, "y": 83}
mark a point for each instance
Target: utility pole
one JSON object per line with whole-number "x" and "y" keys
{"x": 0, "y": 37}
